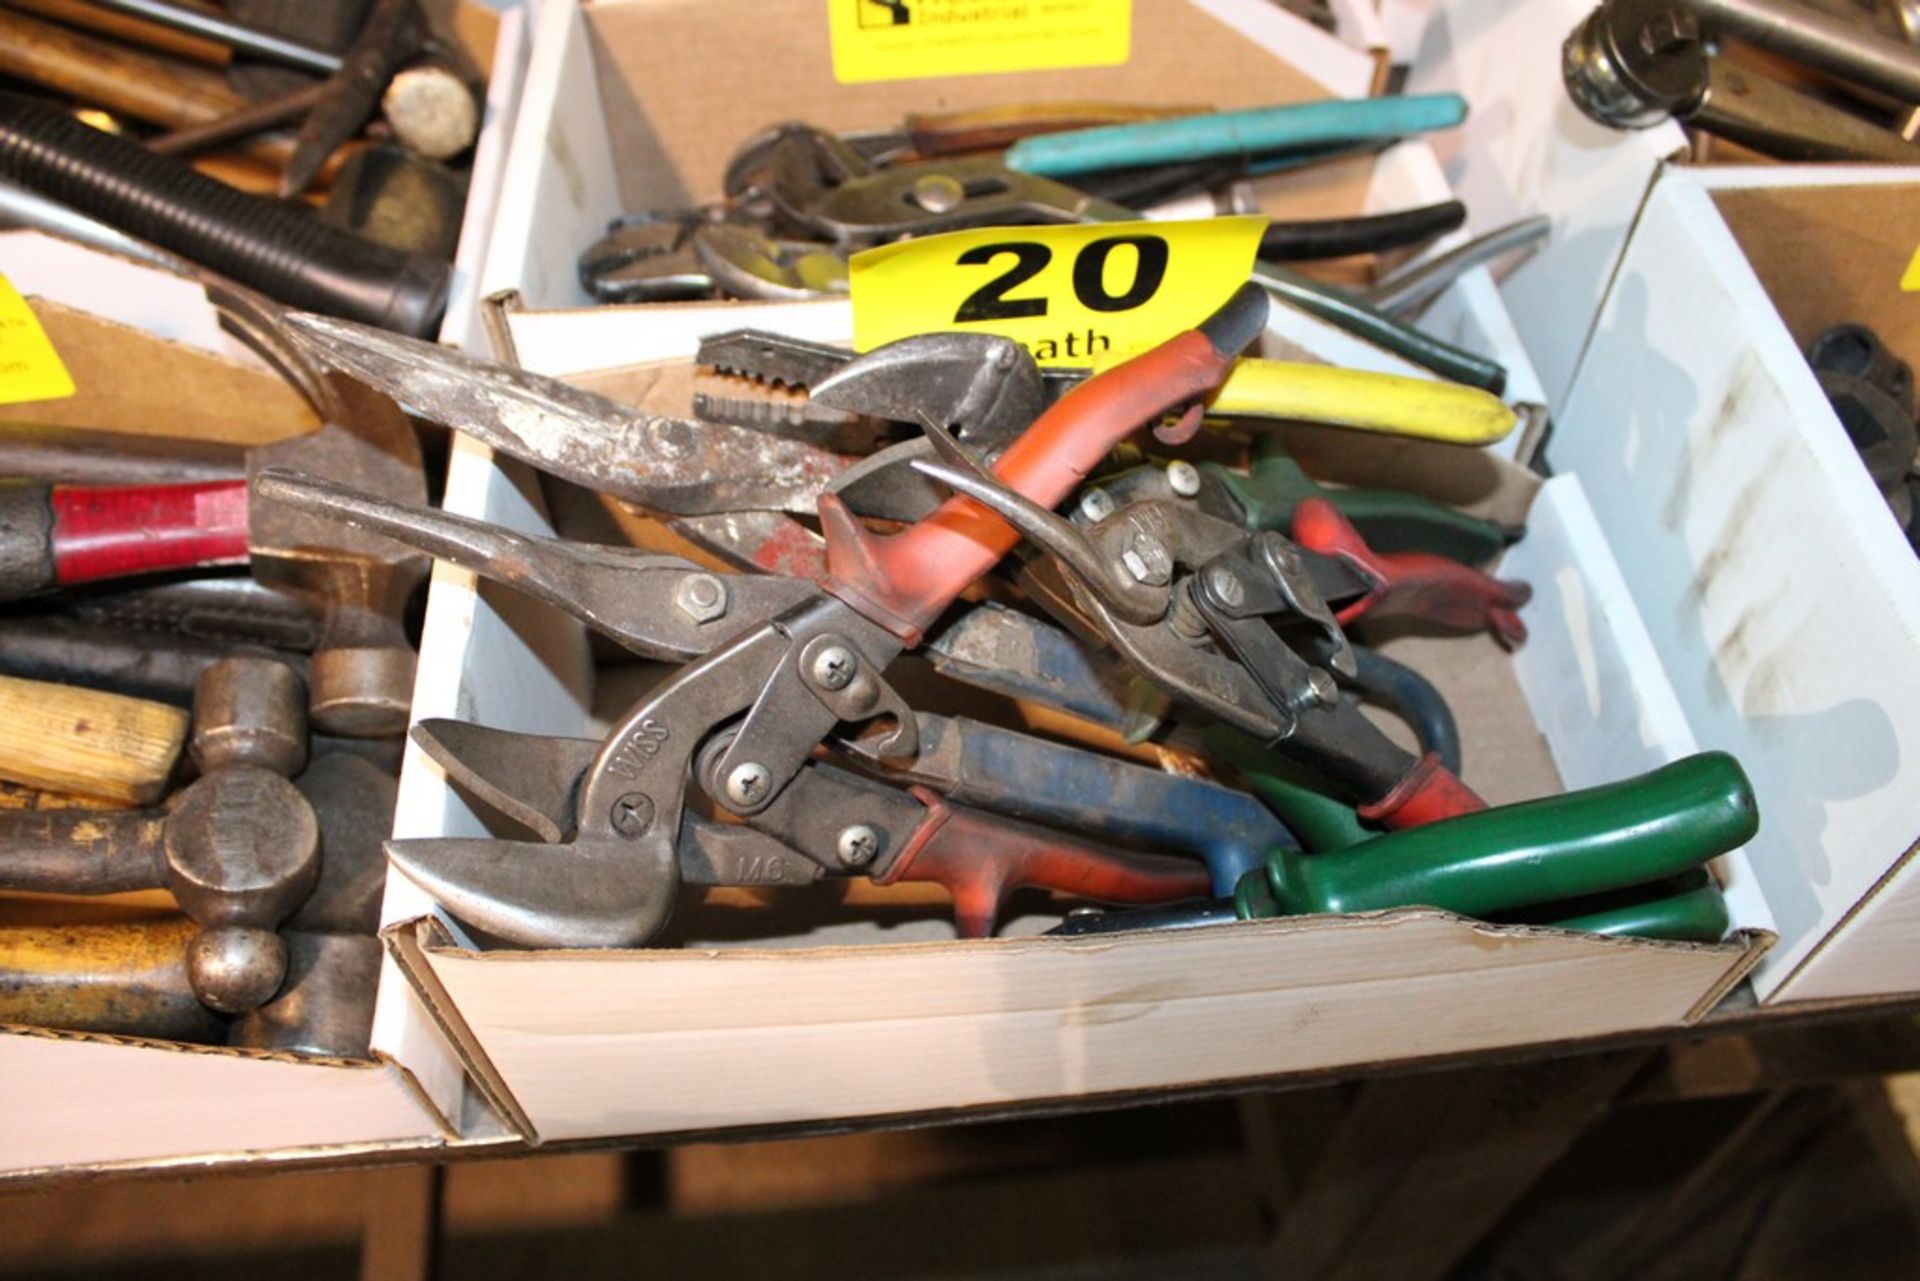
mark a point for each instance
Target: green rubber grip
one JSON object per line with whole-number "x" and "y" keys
{"x": 1389, "y": 520}
{"x": 1319, "y": 822}
{"x": 1687, "y": 910}
{"x": 1643, "y": 829}
{"x": 1690, "y": 912}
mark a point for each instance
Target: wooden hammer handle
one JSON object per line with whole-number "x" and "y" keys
{"x": 69, "y": 739}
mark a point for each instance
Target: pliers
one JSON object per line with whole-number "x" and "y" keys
{"x": 753, "y": 360}
{"x": 1623, "y": 858}
{"x": 776, "y": 667}
{"x": 827, "y": 189}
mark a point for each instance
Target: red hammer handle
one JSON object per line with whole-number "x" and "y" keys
{"x": 54, "y": 534}
{"x": 140, "y": 529}
{"x": 1416, "y": 584}
{"x": 980, "y": 857}
{"x": 905, "y": 581}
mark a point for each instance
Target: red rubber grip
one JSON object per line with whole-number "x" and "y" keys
{"x": 905, "y": 581}
{"x": 1416, "y": 584}
{"x": 979, "y": 857}
{"x": 1428, "y": 793}
{"x": 138, "y": 529}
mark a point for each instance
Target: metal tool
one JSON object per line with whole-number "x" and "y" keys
{"x": 362, "y": 671}
{"x": 1405, "y": 290}
{"x": 1633, "y": 63}
{"x": 1559, "y": 850}
{"x": 614, "y": 811}
{"x": 1030, "y": 778}
{"x": 122, "y": 979}
{"x": 276, "y": 247}
{"x": 164, "y": 668}
{"x": 822, "y": 185}
{"x": 668, "y": 464}
{"x": 433, "y": 113}
{"x": 325, "y": 1006}
{"x": 1266, "y": 495}
{"x": 239, "y": 848}
{"x": 1255, "y": 389}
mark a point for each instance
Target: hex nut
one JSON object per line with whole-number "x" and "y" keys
{"x": 701, "y": 597}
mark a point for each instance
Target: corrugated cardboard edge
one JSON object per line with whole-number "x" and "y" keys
{"x": 1754, "y": 945}
{"x": 407, "y": 943}
{"x": 410, "y": 942}
{"x": 82, "y": 1170}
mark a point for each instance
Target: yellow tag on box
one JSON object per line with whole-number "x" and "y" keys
{"x": 30, "y": 368}
{"x": 1075, "y": 295}
{"x": 1910, "y": 280}
{"x": 917, "y": 39}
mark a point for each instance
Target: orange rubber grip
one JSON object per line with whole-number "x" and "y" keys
{"x": 1414, "y": 584}
{"x": 905, "y": 581}
{"x": 980, "y": 857}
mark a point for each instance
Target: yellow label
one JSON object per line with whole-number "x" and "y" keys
{"x": 1910, "y": 281}
{"x": 1082, "y": 295}
{"x": 30, "y": 368}
{"x": 916, "y": 39}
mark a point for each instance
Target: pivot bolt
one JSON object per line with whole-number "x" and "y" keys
{"x": 1226, "y": 586}
{"x": 938, "y": 193}
{"x": 632, "y": 814}
{"x": 1096, "y": 504}
{"x": 857, "y": 845}
{"x": 1147, "y": 559}
{"x": 749, "y": 783}
{"x": 1183, "y": 478}
{"x": 835, "y": 667}
{"x": 701, "y": 597}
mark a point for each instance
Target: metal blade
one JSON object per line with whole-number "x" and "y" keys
{"x": 669, "y": 464}
{"x": 530, "y": 778}
{"x": 773, "y": 358}
{"x": 656, "y": 605}
{"x": 536, "y": 895}
{"x": 985, "y": 387}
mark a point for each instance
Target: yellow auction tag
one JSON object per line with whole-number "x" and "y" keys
{"x": 1086, "y": 294}
{"x": 916, "y": 39}
{"x": 1910, "y": 281}
{"x": 30, "y": 368}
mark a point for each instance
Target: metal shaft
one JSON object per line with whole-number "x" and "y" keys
{"x": 235, "y": 35}
{"x": 1849, "y": 50}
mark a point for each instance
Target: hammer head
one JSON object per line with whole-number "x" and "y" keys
{"x": 242, "y": 852}
{"x": 362, "y": 671}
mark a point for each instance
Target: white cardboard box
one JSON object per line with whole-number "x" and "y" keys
{"x": 72, "y": 1101}
{"x": 1779, "y": 592}
{"x": 597, "y": 1043}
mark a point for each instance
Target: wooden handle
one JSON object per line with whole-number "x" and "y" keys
{"x": 67, "y": 739}
{"x": 129, "y": 979}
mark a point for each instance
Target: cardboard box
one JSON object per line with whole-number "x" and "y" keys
{"x": 76, "y": 1102}
{"x": 576, "y": 1044}
{"x": 1778, "y": 590}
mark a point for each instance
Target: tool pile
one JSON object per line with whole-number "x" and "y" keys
{"x": 201, "y": 128}
{"x": 1127, "y": 545}
{"x": 1189, "y": 602}
{"x": 239, "y": 673}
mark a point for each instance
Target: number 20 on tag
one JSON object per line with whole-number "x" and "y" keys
{"x": 1073, "y": 295}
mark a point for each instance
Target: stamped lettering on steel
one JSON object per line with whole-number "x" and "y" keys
{"x": 637, "y": 749}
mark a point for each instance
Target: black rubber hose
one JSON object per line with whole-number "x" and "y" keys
{"x": 281, "y": 249}
{"x": 1338, "y": 237}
